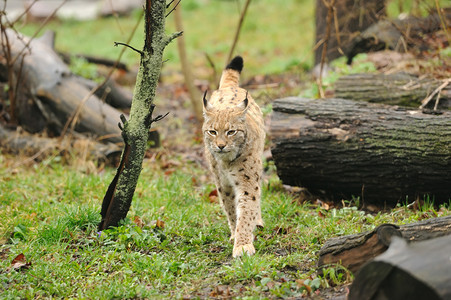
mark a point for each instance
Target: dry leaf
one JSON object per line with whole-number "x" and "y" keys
{"x": 159, "y": 224}
{"x": 213, "y": 196}
{"x": 301, "y": 284}
{"x": 169, "y": 172}
{"x": 137, "y": 220}
{"x": 221, "y": 290}
{"x": 20, "y": 263}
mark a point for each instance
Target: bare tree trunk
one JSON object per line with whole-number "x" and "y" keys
{"x": 118, "y": 197}
{"x": 194, "y": 93}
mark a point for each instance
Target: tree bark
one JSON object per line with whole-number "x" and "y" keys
{"x": 381, "y": 154}
{"x": 119, "y": 195}
{"x": 353, "y": 251}
{"x": 396, "y": 89}
{"x": 407, "y": 271}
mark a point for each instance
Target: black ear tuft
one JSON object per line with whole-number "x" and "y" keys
{"x": 205, "y": 99}
{"x": 246, "y": 101}
{"x": 236, "y": 64}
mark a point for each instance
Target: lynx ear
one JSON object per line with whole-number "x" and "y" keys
{"x": 205, "y": 102}
{"x": 245, "y": 104}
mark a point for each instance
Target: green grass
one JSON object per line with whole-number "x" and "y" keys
{"x": 50, "y": 211}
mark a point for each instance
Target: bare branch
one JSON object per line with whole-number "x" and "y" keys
{"x": 173, "y": 36}
{"x": 175, "y": 6}
{"x": 238, "y": 30}
{"x": 27, "y": 9}
{"x": 43, "y": 24}
{"x": 436, "y": 91}
{"x": 128, "y": 46}
{"x": 330, "y": 10}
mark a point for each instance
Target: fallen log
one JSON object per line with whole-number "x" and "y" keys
{"x": 407, "y": 271}
{"x": 111, "y": 92}
{"x": 396, "y": 89}
{"x": 353, "y": 251}
{"x": 381, "y": 154}
{"x": 48, "y": 94}
{"x": 95, "y": 60}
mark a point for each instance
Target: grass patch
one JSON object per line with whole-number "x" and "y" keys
{"x": 173, "y": 244}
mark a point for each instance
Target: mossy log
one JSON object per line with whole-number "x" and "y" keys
{"x": 353, "y": 251}
{"x": 380, "y": 153}
{"x": 414, "y": 271}
{"x": 396, "y": 89}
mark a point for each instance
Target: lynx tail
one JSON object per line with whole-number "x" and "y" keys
{"x": 231, "y": 74}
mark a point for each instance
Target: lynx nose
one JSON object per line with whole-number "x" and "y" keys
{"x": 221, "y": 146}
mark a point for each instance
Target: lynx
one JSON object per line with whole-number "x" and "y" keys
{"x": 234, "y": 137}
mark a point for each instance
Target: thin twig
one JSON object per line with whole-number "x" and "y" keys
{"x": 437, "y": 99}
{"x": 26, "y": 10}
{"x": 126, "y": 45}
{"x": 43, "y": 24}
{"x": 330, "y": 7}
{"x": 169, "y": 4}
{"x": 159, "y": 117}
{"x": 437, "y": 90}
{"x": 173, "y": 8}
{"x": 213, "y": 67}
{"x": 442, "y": 21}
{"x": 337, "y": 32}
{"x": 238, "y": 30}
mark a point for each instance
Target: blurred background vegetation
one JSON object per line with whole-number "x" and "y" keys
{"x": 276, "y": 37}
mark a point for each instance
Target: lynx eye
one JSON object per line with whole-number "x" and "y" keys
{"x": 231, "y": 132}
{"x": 212, "y": 132}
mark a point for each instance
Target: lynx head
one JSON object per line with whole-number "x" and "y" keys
{"x": 225, "y": 128}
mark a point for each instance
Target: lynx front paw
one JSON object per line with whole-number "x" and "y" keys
{"x": 240, "y": 250}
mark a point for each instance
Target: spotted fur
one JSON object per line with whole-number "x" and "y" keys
{"x": 234, "y": 137}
